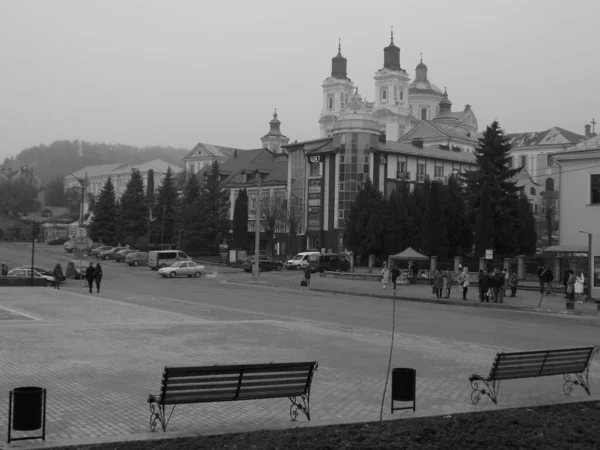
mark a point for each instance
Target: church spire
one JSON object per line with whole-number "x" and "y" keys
{"x": 339, "y": 64}
{"x": 421, "y": 71}
{"x": 391, "y": 55}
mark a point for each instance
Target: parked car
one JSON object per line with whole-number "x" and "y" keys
{"x": 121, "y": 254}
{"x": 137, "y": 258}
{"x": 57, "y": 241}
{"x": 76, "y": 268}
{"x": 301, "y": 260}
{"x": 264, "y": 264}
{"x": 181, "y": 269}
{"x": 26, "y": 273}
{"x": 164, "y": 258}
{"x": 330, "y": 262}
{"x": 102, "y": 248}
{"x": 49, "y": 273}
{"x": 108, "y": 253}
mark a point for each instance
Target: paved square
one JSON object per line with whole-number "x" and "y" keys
{"x": 99, "y": 359}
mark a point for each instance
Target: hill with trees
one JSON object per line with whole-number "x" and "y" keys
{"x": 63, "y": 157}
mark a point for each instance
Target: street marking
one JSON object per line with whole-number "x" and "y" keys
{"x": 19, "y": 313}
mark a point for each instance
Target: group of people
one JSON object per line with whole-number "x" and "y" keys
{"x": 93, "y": 274}
{"x": 443, "y": 280}
{"x": 385, "y": 275}
{"x": 574, "y": 285}
{"x": 494, "y": 283}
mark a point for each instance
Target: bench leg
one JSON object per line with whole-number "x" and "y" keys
{"x": 581, "y": 379}
{"x": 490, "y": 389}
{"x": 297, "y": 406}
{"x": 158, "y": 414}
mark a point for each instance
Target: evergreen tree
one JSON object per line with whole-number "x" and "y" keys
{"x": 420, "y": 196}
{"x": 484, "y": 226}
{"x": 493, "y": 161}
{"x": 459, "y": 229}
{"x": 150, "y": 190}
{"x": 187, "y": 217}
{"x": 213, "y": 206}
{"x": 103, "y": 227}
{"x": 365, "y": 228}
{"x": 434, "y": 224}
{"x": 132, "y": 211}
{"x": 55, "y": 193}
{"x": 240, "y": 220}
{"x": 166, "y": 210}
{"x": 526, "y": 234}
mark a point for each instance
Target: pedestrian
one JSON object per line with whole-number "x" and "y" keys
{"x": 579, "y": 286}
{"x": 307, "y": 274}
{"x": 438, "y": 283}
{"x": 89, "y": 276}
{"x": 57, "y": 273}
{"x": 483, "y": 284}
{"x": 548, "y": 278}
{"x": 4, "y": 270}
{"x": 445, "y": 277}
{"x": 496, "y": 285}
{"x": 395, "y": 274}
{"x": 385, "y": 276}
{"x": 415, "y": 273}
{"x": 565, "y": 281}
{"x": 571, "y": 286}
{"x": 451, "y": 280}
{"x": 513, "y": 283}
{"x": 98, "y": 276}
{"x": 503, "y": 286}
{"x": 464, "y": 282}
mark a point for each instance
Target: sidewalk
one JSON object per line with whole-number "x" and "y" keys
{"x": 526, "y": 300}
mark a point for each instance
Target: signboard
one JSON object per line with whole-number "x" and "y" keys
{"x": 81, "y": 233}
{"x": 489, "y": 254}
{"x": 232, "y": 256}
{"x": 314, "y": 196}
{"x": 314, "y": 158}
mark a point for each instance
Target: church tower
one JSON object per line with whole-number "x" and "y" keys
{"x": 391, "y": 108}
{"x": 273, "y": 140}
{"x": 337, "y": 90}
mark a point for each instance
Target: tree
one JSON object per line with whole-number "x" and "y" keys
{"x": 526, "y": 231}
{"x": 240, "y": 220}
{"x": 459, "y": 229}
{"x": 213, "y": 205}
{"x": 166, "y": 209}
{"x": 103, "y": 227}
{"x": 272, "y": 214}
{"x": 55, "y": 192}
{"x": 484, "y": 226}
{"x": 434, "y": 221}
{"x": 132, "y": 210}
{"x": 293, "y": 216}
{"x": 493, "y": 160}
{"x": 150, "y": 200}
{"x": 18, "y": 197}
{"x": 187, "y": 216}
{"x": 365, "y": 227}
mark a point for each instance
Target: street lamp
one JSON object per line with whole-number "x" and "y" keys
{"x": 590, "y": 263}
{"x": 83, "y": 183}
{"x": 257, "y": 227}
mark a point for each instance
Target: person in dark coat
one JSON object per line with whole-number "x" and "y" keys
{"x": 89, "y": 276}
{"x": 57, "y": 273}
{"x": 307, "y": 274}
{"x": 4, "y": 271}
{"x": 98, "y": 276}
{"x": 566, "y": 276}
{"x": 395, "y": 274}
{"x": 415, "y": 272}
{"x": 484, "y": 285}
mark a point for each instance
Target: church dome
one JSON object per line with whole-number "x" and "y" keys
{"x": 424, "y": 86}
{"x": 355, "y": 119}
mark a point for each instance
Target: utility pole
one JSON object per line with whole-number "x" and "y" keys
{"x": 162, "y": 229}
{"x": 83, "y": 183}
{"x": 257, "y": 227}
{"x": 150, "y": 219}
{"x": 32, "y": 247}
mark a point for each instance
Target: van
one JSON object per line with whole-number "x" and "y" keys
{"x": 330, "y": 262}
{"x": 301, "y": 260}
{"x": 164, "y": 258}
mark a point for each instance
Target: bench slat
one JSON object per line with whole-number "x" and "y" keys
{"x": 174, "y": 400}
{"x": 549, "y": 357}
{"x": 533, "y": 371}
{"x": 275, "y": 376}
{"x": 202, "y": 386}
{"x": 207, "y": 379}
{"x": 270, "y": 394}
{"x": 275, "y": 367}
{"x": 564, "y": 362}
{"x": 250, "y": 384}
{"x": 550, "y": 351}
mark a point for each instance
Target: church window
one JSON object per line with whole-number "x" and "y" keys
{"x": 423, "y": 113}
{"x": 549, "y": 184}
{"x": 401, "y": 94}
{"x": 383, "y": 94}
{"x": 549, "y": 160}
{"x": 523, "y": 160}
{"x": 330, "y": 103}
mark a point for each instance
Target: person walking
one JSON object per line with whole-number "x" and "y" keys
{"x": 438, "y": 283}
{"x": 445, "y": 277}
{"x": 451, "y": 280}
{"x": 571, "y": 286}
{"x": 57, "y": 273}
{"x": 496, "y": 285}
{"x": 385, "y": 275}
{"x": 98, "y": 276}
{"x": 307, "y": 274}
{"x": 513, "y": 282}
{"x": 579, "y": 286}
{"x": 464, "y": 282}
{"x": 415, "y": 273}
{"x": 503, "y": 286}
{"x": 395, "y": 274}
{"x": 566, "y": 280}
{"x": 89, "y": 276}
{"x": 483, "y": 284}
{"x": 4, "y": 271}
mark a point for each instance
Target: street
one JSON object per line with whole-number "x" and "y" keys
{"x": 106, "y": 351}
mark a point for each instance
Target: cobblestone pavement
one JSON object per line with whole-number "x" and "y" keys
{"x": 99, "y": 359}
{"x": 525, "y": 299}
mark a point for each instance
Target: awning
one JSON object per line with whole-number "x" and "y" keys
{"x": 566, "y": 249}
{"x": 409, "y": 255}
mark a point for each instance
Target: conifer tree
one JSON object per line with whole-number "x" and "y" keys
{"x": 187, "y": 217}
{"x": 166, "y": 209}
{"x": 132, "y": 214}
{"x": 459, "y": 229}
{"x": 103, "y": 226}
{"x": 434, "y": 224}
{"x": 240, "y": 220}
{"x": 484, "y": 225}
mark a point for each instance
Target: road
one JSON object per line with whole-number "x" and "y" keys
{"x": 113, "y": 345}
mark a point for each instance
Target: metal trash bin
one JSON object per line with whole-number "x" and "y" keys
{"x": 404, "y": 387}
{"x": 27, "y": 411}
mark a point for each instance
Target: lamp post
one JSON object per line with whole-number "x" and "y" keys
{"x": 150, "y": 219}
{"x": 32, "y": 247}
{"x": 257, "y": 227}
{"x": 162, "y": 228}
{"x": 590, "y": 263}
{"x": 83, "y": 183}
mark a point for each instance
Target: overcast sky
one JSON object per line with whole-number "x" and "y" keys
{"x": 176, "y": 72}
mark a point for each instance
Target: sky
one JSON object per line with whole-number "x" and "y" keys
{"x": 179, "y": 72}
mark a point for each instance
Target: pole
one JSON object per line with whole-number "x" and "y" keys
{"x": 81, "y": 209}
{"x": 257, "y": 229}
{"x": 590, "y": 267}
{"x": 162, "y": 229}
{"x": 32, "y": 247}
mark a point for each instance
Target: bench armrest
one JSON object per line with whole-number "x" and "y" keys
{"x": 152, "y": 398}
{"x": 477, "y": 377}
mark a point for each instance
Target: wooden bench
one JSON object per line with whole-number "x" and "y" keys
{"x": 572, "y": 363}
{"x": 207, "y": 384}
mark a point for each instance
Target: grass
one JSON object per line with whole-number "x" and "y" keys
{"x": 562, "y": 426}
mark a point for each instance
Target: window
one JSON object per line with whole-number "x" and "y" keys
{"x": 383, "y": 94}
{"x": 420, "y": 172}
{"x": 342, "y": 98}
{"x": 395, "y": 91}
{"x": 595, "y": 185}
{"x": 549, "y": 184}
{"x": 244, "y": 178}
{"x": 341, "y": 213}
{"x": 341, "y": 186}
{"x": 531, "y": 191}
{"x": 423, "y": 113}
{"x": 312, "y": 242}
{"x": 401, "y": 166}
{"x": 330, "y": 103}
{"x": 438, "y": 171}
{"x": 314, "y": 169}
{"x": 401, "y": 95}
{"x": 523, "y": 161}
{"x": 510, "y": 162}
{"x": 549, "y": 160}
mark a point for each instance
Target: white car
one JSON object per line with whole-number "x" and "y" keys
{"x": 181, "y": 269}
{"x": 22, "y": 272}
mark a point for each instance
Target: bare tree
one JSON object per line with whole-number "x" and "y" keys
{"x": 550, "y": 210}
{"x": 293, "y": 216}
{"x": 272, "y": 215}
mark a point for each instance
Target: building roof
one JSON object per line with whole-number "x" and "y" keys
{"x": 97, "y": 170}
{"x": 552, "y": 136}
{"x": 216, "y": 151}
{"x": 157, "y": 165}
{"x": 429, "y": 152}
{"x": 250, "y": 160}
{"x": 592, "y": 143}
{"x": 457, "y": 130}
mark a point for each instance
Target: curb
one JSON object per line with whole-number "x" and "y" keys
{"x": 471, "y": 303}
